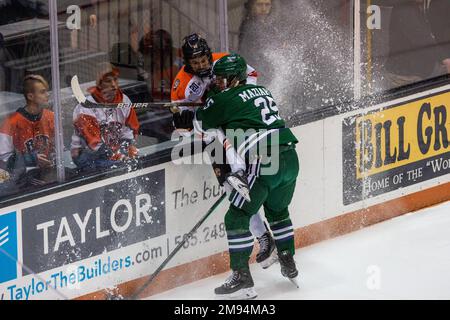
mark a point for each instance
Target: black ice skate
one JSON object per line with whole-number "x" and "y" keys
{"x": 238, "y": 286}
{"x": 288, "y": 267}
{"x": 238, "y": 181}
{"x": 267, "y": 254}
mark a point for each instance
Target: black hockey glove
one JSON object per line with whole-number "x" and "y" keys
{"x": 219, "y": 162}
{"x": 184, "y": 120}
{"x": 221, "y": 171}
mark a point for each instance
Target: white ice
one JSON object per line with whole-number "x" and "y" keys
{"x": 407, "y": 257}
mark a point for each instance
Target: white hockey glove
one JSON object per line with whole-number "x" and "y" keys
{"x": 238, "y": 181}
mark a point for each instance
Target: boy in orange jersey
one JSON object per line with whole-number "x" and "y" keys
{"x": 27, "y": 136}
{"x": 104, "y": 137}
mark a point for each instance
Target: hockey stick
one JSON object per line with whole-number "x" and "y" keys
{"x": 189, "y": 235}
{"x": 81, "y": 98}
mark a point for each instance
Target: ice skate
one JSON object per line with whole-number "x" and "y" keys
{"x": 267, "y": 254}
{"x": 288, "y": 267}
{"x": 238, "y": 286}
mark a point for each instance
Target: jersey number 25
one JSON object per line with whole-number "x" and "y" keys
{"x": 269, "y": 109}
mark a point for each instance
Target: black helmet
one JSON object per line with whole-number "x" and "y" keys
{"x": 195, "y": 46}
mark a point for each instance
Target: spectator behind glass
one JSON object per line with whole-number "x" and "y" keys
{"x": 414, "y": 53}
{"x": 27, "y": 136}
{"x": 439, "y": 12}
{"x": 104, "y": 138}
{"x": 256, "y": 36}
{"x": 260, "y": 8}
{"x": 158, "y": 62}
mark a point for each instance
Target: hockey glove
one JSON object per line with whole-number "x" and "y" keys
{"x": 238, "y": 181}
{"x": 221, "y": 170}
{"x": 219, "y": 163}
{"x": 184, "y": 120}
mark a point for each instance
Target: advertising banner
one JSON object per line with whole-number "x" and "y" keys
{"x": 395, "y": 147}
{"x": 93, "y": 222}
{"x": 102, "y": 235}
{"x": 8, "y": 247}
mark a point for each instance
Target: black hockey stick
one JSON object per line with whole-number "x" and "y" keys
{"x": 81, "y": 98}
{"x": 178, "y": 247}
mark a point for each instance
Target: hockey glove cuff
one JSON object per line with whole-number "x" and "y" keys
{"x": 184, "y": 120}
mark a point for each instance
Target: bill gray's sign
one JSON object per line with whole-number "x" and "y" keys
{"x": 396, "y": 147}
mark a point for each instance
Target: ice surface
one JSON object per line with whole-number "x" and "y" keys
{"x": 407, "y": 257}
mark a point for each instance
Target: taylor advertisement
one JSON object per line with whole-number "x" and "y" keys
{"x": 75, "y": 238}
{"x": 106, "y": 236}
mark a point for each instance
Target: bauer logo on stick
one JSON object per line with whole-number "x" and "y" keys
{"x": 81, "y": 98}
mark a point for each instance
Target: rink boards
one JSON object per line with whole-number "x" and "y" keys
{"x": 356, "y": 169}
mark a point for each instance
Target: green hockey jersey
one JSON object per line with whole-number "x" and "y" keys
{"x": 246, "y": 114}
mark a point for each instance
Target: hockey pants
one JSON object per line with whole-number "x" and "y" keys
{"x": 272, "y": 192}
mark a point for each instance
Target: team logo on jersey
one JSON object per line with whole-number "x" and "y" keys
{"x": 111, "y": 133}
{"x": 176, "y": 84}
{"x": 38, "y": 144}
{"x": 195, "y": 88}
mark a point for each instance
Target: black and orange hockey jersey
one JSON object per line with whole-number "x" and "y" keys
{"x": 191, "y": 88}
{"x": 27, "y": 133}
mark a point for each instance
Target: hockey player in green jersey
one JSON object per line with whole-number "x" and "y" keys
{"x": 190, "y": 85}
{"x": 249, "y": 117}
